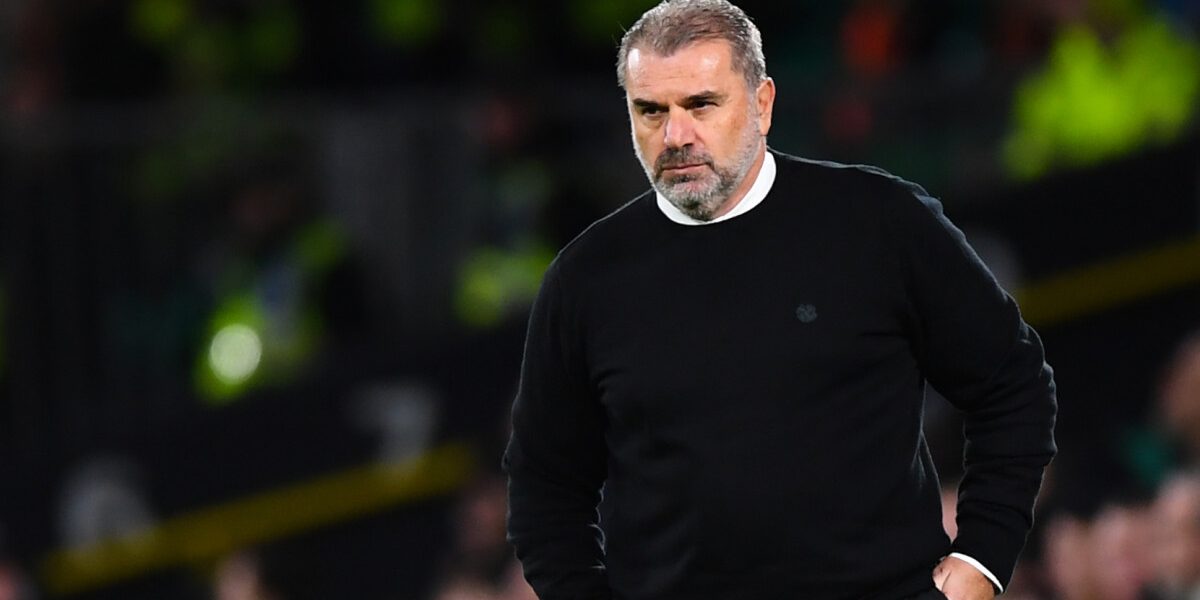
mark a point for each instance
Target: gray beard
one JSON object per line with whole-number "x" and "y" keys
{"x": 703, "y": 202}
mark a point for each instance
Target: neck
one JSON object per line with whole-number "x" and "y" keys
{"x": 745, "y": 185}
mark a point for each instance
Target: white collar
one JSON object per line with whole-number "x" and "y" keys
{"x": 755, "y": 195}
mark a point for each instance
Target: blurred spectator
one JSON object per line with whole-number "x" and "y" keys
{"x": 285, "y": 289}
{"x": 511, "y": 587}
{"x": 1176, "y": 532}
{"x": 1121, "y": 552}
{"x": 1067, "y": 554}
{"x": 1110, "y": 557}
{"x": 870, "y": 38}
{"x": 480, "y": 551}
{"x": 1179, "y": 397}
{"x": 240, "y": 578}
{"x": 481, "y": 564}
{"x": 34, "y": 79}
{"x": 14, "y": 582}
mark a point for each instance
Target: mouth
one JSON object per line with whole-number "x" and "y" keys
{"x": 684, "y": 168}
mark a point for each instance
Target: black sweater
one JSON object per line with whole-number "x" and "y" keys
{"x": 749, "y": 394}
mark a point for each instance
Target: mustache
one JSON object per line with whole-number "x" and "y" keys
{"x": 677, "y": 157}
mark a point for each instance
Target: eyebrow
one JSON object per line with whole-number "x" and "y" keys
{"x": 640, "y": 103}
{"x": 705, "y": 96}
{"x": 690, "y": 101}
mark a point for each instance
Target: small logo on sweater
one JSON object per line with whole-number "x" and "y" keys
{"x": 807, "y": 313}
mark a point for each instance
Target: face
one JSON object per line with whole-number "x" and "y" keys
{"x": 698, "y": 128}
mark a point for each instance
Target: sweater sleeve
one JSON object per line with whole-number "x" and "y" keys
{"x": 556, "y": 458}
{"x": 973, "y": 346}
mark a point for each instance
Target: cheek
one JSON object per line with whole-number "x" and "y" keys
{"x": 732, "y": 128}
{"x": 721, "y": 141}
{"x": 648, "y": 143}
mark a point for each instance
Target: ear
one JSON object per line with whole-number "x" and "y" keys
{"x": 764, "y": 98}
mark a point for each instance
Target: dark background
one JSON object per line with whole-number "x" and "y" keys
{"x": 249, "y": 246}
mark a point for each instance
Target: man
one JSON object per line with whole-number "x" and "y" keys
{"x": 736, "y": 363}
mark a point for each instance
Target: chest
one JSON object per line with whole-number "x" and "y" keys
{"x": 755, "y": 326}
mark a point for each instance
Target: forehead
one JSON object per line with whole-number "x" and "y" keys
{"x": 705, "y": 65}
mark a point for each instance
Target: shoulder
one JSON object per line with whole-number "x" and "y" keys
{"x": 844, "y": 181}
{"x": 604, "y": 238}
{"x": 865, "y": 194}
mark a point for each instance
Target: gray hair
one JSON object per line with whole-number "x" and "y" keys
{"x": 674, "y": 24}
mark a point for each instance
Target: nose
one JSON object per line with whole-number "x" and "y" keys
{"x": 680, "y": 128}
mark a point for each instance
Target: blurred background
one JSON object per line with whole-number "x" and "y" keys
{"x": 266, "y": 265}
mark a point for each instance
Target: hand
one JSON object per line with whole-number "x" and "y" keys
{"x": 958, "y": 580}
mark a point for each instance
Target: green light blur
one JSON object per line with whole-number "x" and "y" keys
{"x": 597, "y": 20}
{"x": 221, "y": 369}
{"x": 406, "y": 22}
{"x": 247, "y": 346}
{"x": 504, "y": 31}
{"x": 496, "y": 281}
{"x": 1091, "y": 102}
{"x": 235, "y": 353}
{"x": 1118, "y": 12}
{"x": 273, "y": 39}
{"x": 160, "y": 20}
{"x": 211, "y": 51}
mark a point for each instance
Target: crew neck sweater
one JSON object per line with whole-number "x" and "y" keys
{"x": 763, "y": 181}
{"x": 746, "y": 397}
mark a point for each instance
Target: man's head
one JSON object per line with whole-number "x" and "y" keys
{"x": 699, "y": 101}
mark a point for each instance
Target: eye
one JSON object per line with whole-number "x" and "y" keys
{"x": 652, "y": 113}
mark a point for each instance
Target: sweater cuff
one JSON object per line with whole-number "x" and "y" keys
{"x": 982, "y": 569}
{"x": 991, "y": 537}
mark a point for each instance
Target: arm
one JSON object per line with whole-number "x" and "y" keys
{"x": 556, "y": 458}
{"x": 973, "y": 346}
